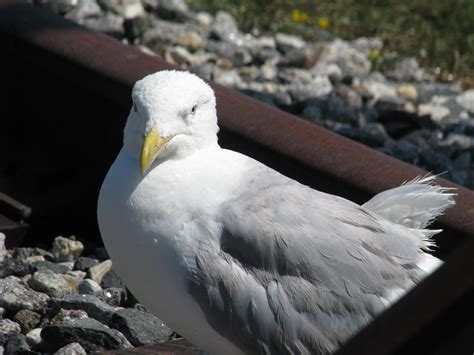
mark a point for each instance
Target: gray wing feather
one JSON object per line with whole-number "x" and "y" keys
{"x": 299, "y": 271}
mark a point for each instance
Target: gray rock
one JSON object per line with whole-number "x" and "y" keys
{"x": 54, "y": 285}
{"x": 77, "y": 274}
{"x": 111, "y": 279}
{"x": 8, "y": 327}
{"x": 162, "y": 35}
{"x": 91, "y": 334}
{"x": 286, "y": 42}
{"x": 338, "y": 110}
{"x": 71, "y": 349}
{"x": 436, "y": 111}
{"x": 34, "y": 259}
{"x": 365, "y": 45}
{"x": 312, "y": 111}
{"x": 89, "y": 287}
{"x": 463, "y": 141}
{"x": 190, "y": 40}
{"x": 27, "y": 319}
{"x": 378, "y": 89}
{"x": 83, "y": 263}
{"x": 64, "y": 316}
{"x": 407, "y": 69}
{"x": 124, "y": 8}
{"x": 427, "y": 90}
{"x": 84, "y": 9}
{"x": 404, "y": 149}
{"x": 318, "y": 87}
{"x": 225, "y": 27}
{"x": 135, "y": 27}
{"x": 140, "y": 328}
{"x": 94, "y": 307}
{"x": 98, "y": 271}
{"x": 229, "y": 78}
{"x": 348, "y": 95}
{"x": 179, "y": 56}
{"x": 301, "y": 58}
{"x": 69, "y": 265}
{"x": 110, "y": 24}
{"x": 3, "y": 249}
{"x": 114, "y": 296}
{"x": 267, "y": 99}
{"x": 237, "y": 55}
{"x": 12, "y": 267}
{"x": 372, "y": 134}
{"x": 466, "y": 100}
{"x": 65, "y": 249}
{"x": 2, "y": 311}
{"x": 17, "y": 344}
{"x": 24, "y": 253}
{"x": 51, "y": 266}
{"x": 14, "y": 296}
{"x": 351, "y": 61}
{"x": 261, "y": 48}
{"x": 172, "y": 9}
{"x": 33, "y": 337}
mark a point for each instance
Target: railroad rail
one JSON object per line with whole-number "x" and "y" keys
{"x": 67, "y": 93}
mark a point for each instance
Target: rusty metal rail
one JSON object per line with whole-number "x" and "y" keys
{"x": 68, "y": 94}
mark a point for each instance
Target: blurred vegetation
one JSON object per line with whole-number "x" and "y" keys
{"x": 440, "y": 34}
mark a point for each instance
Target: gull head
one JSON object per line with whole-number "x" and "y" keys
{"x": 173, "y": 115}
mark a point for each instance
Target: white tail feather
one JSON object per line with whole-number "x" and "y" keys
{"x": 414, "y": 204}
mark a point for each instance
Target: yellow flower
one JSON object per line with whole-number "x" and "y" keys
{"x": 299, "y": 16}
{"x": 323, "y": 23}
{"x": 374, "y": 55}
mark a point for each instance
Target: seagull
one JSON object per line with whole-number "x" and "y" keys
{"x": 238, "y": 258}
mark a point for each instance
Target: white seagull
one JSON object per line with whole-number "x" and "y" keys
{"x": 238, "y": 258}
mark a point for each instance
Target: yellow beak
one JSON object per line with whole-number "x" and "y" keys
{"x": 151, "y": 148}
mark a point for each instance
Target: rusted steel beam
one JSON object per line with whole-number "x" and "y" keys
{"x": 100, "y": 68}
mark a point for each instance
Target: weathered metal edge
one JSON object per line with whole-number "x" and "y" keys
{"x": 288, "y": 136}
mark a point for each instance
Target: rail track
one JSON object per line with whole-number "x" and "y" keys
{"x": 67, "y": 92}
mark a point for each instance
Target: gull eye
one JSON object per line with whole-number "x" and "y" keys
{"x": 135, "y": 107}
{"x": 193, "y": 110}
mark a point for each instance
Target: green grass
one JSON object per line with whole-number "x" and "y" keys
{"x": 440, "y": 34}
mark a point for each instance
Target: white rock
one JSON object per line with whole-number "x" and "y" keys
{"x": 379, "y": 89}
{"x": 436, "y": 111}
{"x": 351, "y": 61}
{"x": 466, "y": 100}
{"x": 71, "y": 349}
{"x": 286, "y": 42}
{"x": 366, "y": 44}
{"x": 227, "y": 77}
{"x": 33, "y": 337}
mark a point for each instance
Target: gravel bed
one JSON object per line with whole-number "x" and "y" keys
{"x": 402, "y": 112}
{"x": 60, "y": 302}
